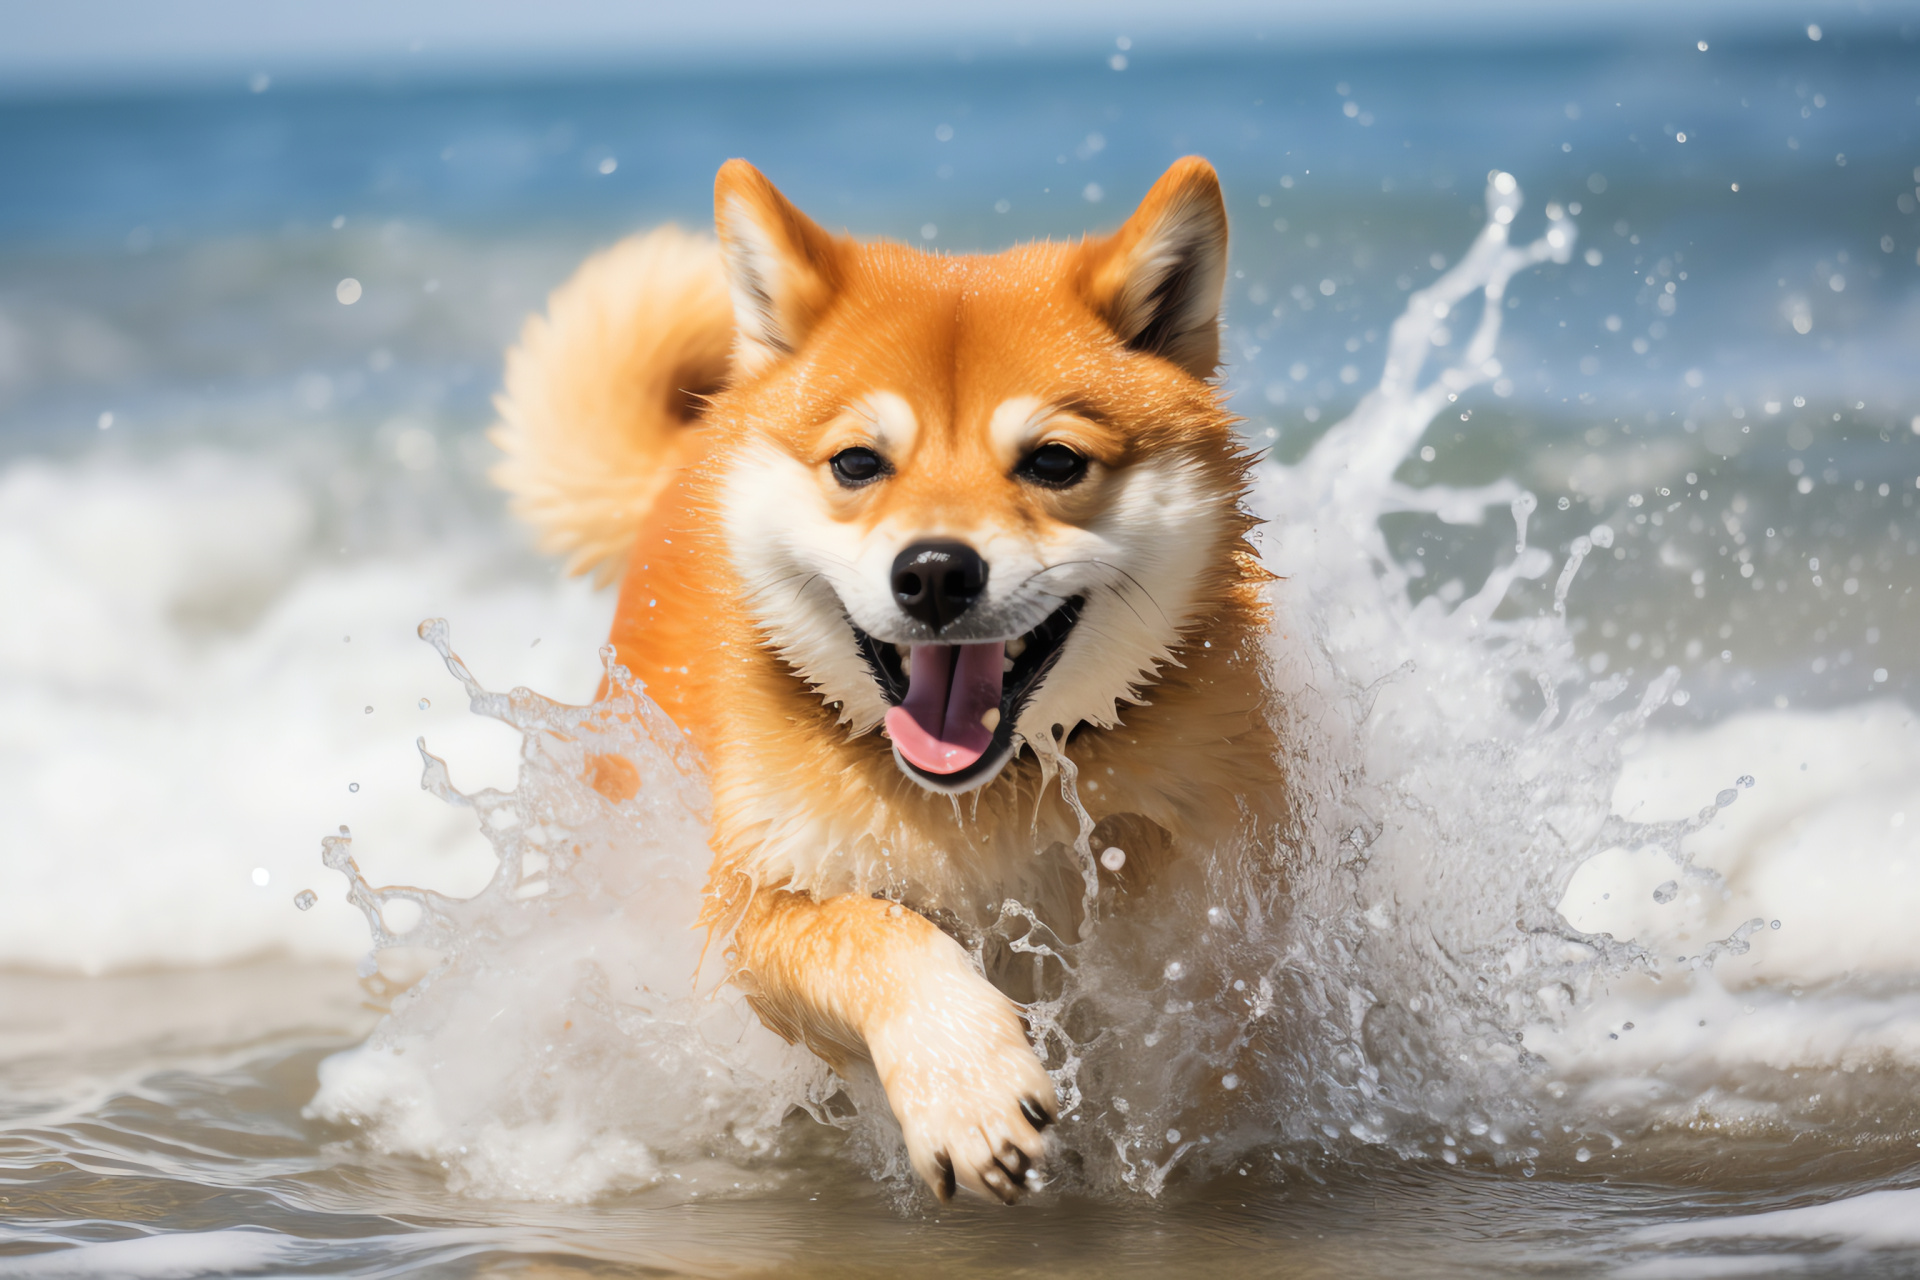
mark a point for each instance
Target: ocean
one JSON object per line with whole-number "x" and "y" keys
{"x": 1601, "y": 666}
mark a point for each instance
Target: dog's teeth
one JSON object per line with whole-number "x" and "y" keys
{"x": 991, "y": 719}
{"x": 1006, "y": 665}
{"x": 1016, "y": 646}
{"x": 906, "y": 654}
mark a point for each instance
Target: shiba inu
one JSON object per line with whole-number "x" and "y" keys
{"x": 906, "y": 542}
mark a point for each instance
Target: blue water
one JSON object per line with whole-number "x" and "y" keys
{"x": 172, "y": 258}
{"x": 1373, "y": 161}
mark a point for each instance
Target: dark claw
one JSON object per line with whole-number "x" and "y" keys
{"x": 945, "y": 1189}
{"x": 1036, "y": 1114}
{"x": 1014, "y": 1161}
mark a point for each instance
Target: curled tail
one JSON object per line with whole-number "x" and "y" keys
{"x": 604, "y": 393}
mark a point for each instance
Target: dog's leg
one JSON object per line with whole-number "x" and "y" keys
{"x": 858, "y": 977}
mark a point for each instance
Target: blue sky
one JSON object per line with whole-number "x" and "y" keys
{"x": 105, "y": 42}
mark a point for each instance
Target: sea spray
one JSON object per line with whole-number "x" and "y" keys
{"x": 1366, "y": 979}
{"x": 1391, "y": 976}
{"x": 560, "y": 1042}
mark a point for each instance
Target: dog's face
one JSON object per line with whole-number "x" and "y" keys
{"x": 978, "y": 501}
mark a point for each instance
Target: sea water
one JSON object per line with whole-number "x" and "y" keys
{"x": 1591, "y": 486}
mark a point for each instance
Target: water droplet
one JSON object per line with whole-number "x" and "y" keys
{"x": 1230, "y": 1081}
{"x": 1745, "y": 780}
{"x": 1173, "y": 1135}
{"x": 305, "y": 899}
{"x": 1726, "y": 797}
{"x": 1775, "y": 925}
{"x": 1113, "y": 858}
{"x": 369, "y": 711}
{"x": 260, "y": 876}
{"x": 1175, "y": 970}
{"x": 1582, "y": 1154}
{"x": 424, "y": 704}
{"x": 1667, "y": 892}
{"x": 353, "y": 786}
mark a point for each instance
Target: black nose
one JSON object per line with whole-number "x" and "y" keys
{"x": 936, "y": 581}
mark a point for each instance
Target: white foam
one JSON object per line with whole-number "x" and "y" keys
{"x": 1876, "y": 1220}
{"x": 1820, "y": 843}
{"x": 179, "y": 706}
{"x": 160, "y": 1257}
{"x": 1826, "y": 841}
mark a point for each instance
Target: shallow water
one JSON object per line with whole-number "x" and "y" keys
{"x": 156, "y": 1122}
{"x": 1526, "y": 1006}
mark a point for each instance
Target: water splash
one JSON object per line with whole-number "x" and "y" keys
{"x": 1374, "y": 977}
{"x": 1365, "y": 977}
{"x": 558, "y": 1043}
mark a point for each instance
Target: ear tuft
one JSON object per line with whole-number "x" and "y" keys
{"x": 782, "y": 269}
{"x": 1158, "y": 279}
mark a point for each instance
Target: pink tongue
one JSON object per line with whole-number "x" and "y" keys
{"x": 939, "y": 728}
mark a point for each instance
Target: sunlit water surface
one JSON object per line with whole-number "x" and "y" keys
{"x": 1595, "y": 659}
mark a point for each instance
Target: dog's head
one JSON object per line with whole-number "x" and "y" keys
{"x": 978, "y": 501}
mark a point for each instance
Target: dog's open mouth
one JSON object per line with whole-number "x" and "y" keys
{"x": 953, "y": 706}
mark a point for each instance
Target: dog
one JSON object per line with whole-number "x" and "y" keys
{"x": 942, "y": 562}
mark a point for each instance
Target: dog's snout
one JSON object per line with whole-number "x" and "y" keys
{"x": 936, "y": 582}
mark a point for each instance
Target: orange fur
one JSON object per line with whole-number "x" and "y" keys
{"x": 931, "y": 361}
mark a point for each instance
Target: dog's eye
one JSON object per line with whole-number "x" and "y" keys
{"x": 1053, "y": 465}
{"x": 858, "y": 466}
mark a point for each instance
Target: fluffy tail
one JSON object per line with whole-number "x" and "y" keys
{"x": 604, "y": 391}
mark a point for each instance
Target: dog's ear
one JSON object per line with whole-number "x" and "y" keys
{"x": 781, "y": 268}
{"x": 1158, "y": 279}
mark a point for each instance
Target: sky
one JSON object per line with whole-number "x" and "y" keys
{"x": 54, "y": 44}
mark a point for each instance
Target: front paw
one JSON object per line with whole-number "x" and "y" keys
{"x": 970, "y": 1096}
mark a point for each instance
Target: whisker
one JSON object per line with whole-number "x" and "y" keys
{"x": 1109, "y": 565}
{"x": 767, "y": 588}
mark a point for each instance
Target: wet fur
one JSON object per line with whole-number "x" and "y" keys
{"x": 742, "y": 564}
